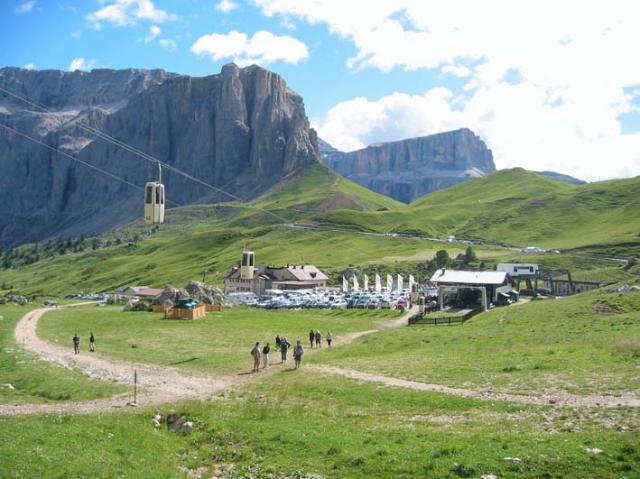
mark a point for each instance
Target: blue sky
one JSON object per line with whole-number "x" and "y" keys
{"x": 322, "y": 78}
{"x": 561, "y": 98}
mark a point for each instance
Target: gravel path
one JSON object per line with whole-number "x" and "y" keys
{"x": 161, "y": 384}
{"x": 158, "y": 384}
{"x": 556, "y": 398}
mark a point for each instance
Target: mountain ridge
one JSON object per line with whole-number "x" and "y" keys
{"x": 410, "y": 168}
{"x": 240, "y": 130}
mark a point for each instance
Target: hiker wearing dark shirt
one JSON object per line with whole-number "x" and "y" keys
{"x": 318, "y": 337}
{"x": 297, "y": 354}
{"x": 255, "y": 352}
{"x": 76, "y": 344}
{"x": 312, "y": 337}
{"x": 284, "y": 347}
{"x": 278, "y": 342}
{"x": 265, "y": 356}
{"x": 92, "y": 343}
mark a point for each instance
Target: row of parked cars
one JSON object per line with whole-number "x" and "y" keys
{"x": 88, "y": 296}
{"x": 323, "y": 299}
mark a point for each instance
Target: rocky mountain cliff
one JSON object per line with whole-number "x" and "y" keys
{"x": 409, "y": 169}
{"x": 241, "y": 130}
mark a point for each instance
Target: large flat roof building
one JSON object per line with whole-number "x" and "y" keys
{"x": 490, "y": 283}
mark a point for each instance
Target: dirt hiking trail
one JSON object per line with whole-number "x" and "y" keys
{"x": 162, "y": 384}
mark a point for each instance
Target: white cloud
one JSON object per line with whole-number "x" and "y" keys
{"x": 168, "y": 44}
{"x": 154, "y": 31}
{"x": 460, "y": 71}
{"x": 124, "y": 13}
{"x": 226, "y": 6}
{"x": 25, "y": 7}
{"x": 29, "y": 66}
{"x": 81, "y": 64}
{"x": 262, "y": 48}
{"x": 569, "y": 61}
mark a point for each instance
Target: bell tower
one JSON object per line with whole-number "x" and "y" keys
{"x": 247, "y": 265}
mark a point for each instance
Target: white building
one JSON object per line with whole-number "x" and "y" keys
{"x": 519, "y": 270}
{"x": 489, "y": 283}
{"x": 249, "y": 278}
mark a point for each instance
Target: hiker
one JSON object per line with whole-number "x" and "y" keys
{"x": 92, "y": 343}
{"x": 255, "y": 352}
{"x": 329, "y": 338}
{"x": 284, "y": 347}
{"x": 318, "y": 337}
{"x": 76, "y": 344}
{"x": 265, "y": 356}
{"x": 297, "y": 354}
{"x": 278, "y": 341}
{"x": 312, "y": 337}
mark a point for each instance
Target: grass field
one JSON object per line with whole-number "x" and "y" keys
{"x": 35, "y": 381}
{"x": 583, "y": 344}
{"x": 298, "y": 423}
{"x": 219, "y": 343}
{"x": 521, "y": 208}
{"x": 508, "y": 207}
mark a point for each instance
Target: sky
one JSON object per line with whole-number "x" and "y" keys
{"x": 547, "y": 84}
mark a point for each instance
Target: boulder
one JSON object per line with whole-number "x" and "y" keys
{"x": 168, "y": 294}
{"x": 625, "y": 288}
{"x": 205, "y": 293}
{"x": 134, "y": 304}
{"x": 14, "y": 298}
{"x": 202, "y": 292}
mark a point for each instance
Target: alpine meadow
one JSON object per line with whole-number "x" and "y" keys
{"x": 314, "y": 239}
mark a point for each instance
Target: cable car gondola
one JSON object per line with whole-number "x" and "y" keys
{"x": 154, "y": 200}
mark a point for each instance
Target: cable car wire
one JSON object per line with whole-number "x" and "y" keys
{"x": 73, "y": 158}
{"x": 110, "y": 139}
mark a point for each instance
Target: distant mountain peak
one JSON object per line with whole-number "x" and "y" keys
{"x": 408, "y": 169}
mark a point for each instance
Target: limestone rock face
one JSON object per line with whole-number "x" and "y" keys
{"x": 202, "y": 292}
{"x": 409, "y": 169}
{"x": 242, "y": 130}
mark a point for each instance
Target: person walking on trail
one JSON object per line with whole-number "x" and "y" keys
{"x": 278, "y": 342}
{"x": 329, "y": 338}
{"x": 284, "y": 347}
{"x": 92, "y": 343}
{"x": 297, "y": 354}
{"x": 265, "y": 356}
{"x": 255, "y": 352}
{"x": 312, "y": 337}
{"x": 318, "y": 337}
{"x": 76, "y": 344}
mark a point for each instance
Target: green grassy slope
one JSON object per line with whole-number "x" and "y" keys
{"x": 521, "y": 208}
{"x": 583, "y": 344}
{"x": 219, "y": 343}
{"x": 300, "y": 424}
{"x": 510, "y": 206}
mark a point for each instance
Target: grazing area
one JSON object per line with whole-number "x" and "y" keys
{"x": 295, "y": 424}
{"x": 26, "y": 379}
{"x": 333, "y": 223}
{"x": 218, "y": 343}
{"x": 585, "y": 344}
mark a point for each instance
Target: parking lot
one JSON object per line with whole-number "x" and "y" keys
{"x": 323, "y": 299}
